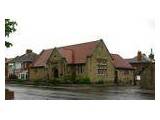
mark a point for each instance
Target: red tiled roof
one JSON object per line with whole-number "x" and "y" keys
{"x": 78, "y": 53}
{"x": 119, "y": 62}
{"x": 42, "y": 58}
{"x": 74, "y": 54}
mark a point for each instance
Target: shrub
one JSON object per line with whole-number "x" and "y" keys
{"x": 100, "y": 82}
{"x": 18, "y": 81}
{"x": 82, "y": 80}
{"x": 39, "y": 82}
{"x": 68, "y": 79}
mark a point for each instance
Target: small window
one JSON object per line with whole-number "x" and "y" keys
{"x": 138, "y": 77}
{"x": 79, "y": 69}
{"x": 101, "y": 69}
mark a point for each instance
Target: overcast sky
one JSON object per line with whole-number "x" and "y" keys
{"x": 125, "y": 26}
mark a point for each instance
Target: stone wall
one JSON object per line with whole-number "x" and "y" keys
{"x": 148, "y": 77}
{"x": 39, "y": 73}
{"x": 56, "y": 65}
{"x": 102, "y": 53}
{"x": 125, "y": 76}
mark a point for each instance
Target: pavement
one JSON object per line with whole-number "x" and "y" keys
{"x": 80, "y": 92}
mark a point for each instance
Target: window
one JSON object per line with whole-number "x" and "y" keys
{"x": 101, "y": 68}
{"x": 138, "y": 77}
{"x": 79, "y": 68}
{"x": 22, "y": 76}
{"x": 68, "y": 68}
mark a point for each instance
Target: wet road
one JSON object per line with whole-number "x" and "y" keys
{"x": 86, "y": 92}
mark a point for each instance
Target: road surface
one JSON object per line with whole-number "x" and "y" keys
{"x": 80, "y": 92}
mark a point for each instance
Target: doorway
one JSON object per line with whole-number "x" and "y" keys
{"x": 116, "y": 77}
{"x": 55, "y": 70}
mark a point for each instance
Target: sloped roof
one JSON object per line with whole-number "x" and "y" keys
{"x": 79, "y": 52}
{"x": 7, "y": 60}
{"x": 42, "y": 58}
{"x": 73, "y": 54}
{"x": 145, "y": 59}
{"x": 119, "y": 62}
{"x": 28, "y": 57}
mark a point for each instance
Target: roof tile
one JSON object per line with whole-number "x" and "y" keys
{"x": 119, "y": 62}
{"x": 74, "y": 54}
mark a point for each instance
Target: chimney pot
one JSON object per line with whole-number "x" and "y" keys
{"x": 28, "y": 51}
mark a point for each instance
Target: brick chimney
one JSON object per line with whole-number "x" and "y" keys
{"x": 28, "y": 51}
{"x": 139, "y": 56}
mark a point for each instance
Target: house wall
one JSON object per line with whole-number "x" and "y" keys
{"x": 39, "y": 73}
{"x": 56, "y": 63}
{"x": 125, "y": 76}
{"x": 17, "y": 65}
{"x": 14, "y": 69}
{"x": 20, "y": 69}
{"x": 100, "y": 53}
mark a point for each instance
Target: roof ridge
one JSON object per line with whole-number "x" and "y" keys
{"x": 48, "y": 49}
{"x": 78, "y": 56}
{"x": 73, "y": 44}
{"x": 79, "y": 44}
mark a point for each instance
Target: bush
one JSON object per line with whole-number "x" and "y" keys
{"x": 19, "y": 81}
{"x": 82, "y": 80}
{"x": 67, "y": 79}
{"x": 39, "y": 82}
{"x": 100, "y": 82}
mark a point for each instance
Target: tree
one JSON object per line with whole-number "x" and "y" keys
{"x": 9, "y": 28}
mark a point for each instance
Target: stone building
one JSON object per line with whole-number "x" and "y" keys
{"x": 18, "y": 67}
{"x": 91, "y": 59}
{"x": 124, "y": 72}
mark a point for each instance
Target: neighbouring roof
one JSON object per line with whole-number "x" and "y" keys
{"x": 119, "y": 62}
{"x": 73, "y": 54}
{"x": 144, "y": 59}
{"x": 7, "y": 60}
{"x": 27, "y": 57}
